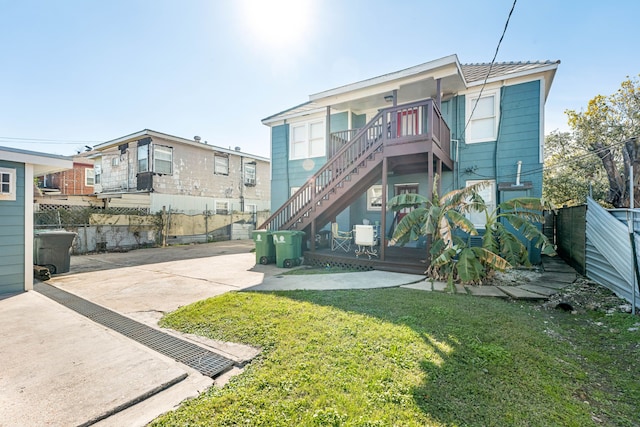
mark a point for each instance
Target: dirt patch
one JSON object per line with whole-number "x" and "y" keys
{"x": 586, "y": 295}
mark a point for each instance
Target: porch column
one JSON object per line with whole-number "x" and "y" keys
{"x": 439, "y": 95}
{"x": 313, "y": 235}
{"x": 430, "y": 175}
{"x": 383, "y": 213}
{"x": 328, "y": 134}
{"x": 439, "y": 172}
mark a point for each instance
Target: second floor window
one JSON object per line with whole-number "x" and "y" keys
{"x": 7, "y": 184}
{"x": 249, "y": 174}
{"x": 307, "y": 140}
{"x": 89, "y": 177}
{"x": 162, "y": 159}
{"x": 483, "y": 125}
{"x": 143, "y": 158}
{"x": 221, "y": 165}
{"x": 161, "y": 162}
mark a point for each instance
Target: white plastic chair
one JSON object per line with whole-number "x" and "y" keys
{"x": 366, "y": 240}
{"x": 340, "y": 239}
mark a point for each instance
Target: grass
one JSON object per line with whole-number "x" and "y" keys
{"x": 400, "y": 357}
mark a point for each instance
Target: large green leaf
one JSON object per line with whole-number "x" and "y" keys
{"x": 493, "y": 260}
{"x": 410, "y": 225}
{"x": 469, "y": 267}
{"x": 407, "y": 200}
{"x": 462, "y": 222}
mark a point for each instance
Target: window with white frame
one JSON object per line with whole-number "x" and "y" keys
{"x": 307, "y": 140}
{"x": 222, "y": 207}
{"x": 143, "y": 158}
{"x": 89, "y": 177}
{"x": 7, "y": 184}
{"x": 374, "y": 198}
{"x": 250, "y": 208}
{"x": 163, "y": 159}
{"x": 249, "y": 174}
{"x": 483, "y": 124}
{"x": 220, "y": 165}
{"x": 488, "y": 194}
{"x": 97, "y": 173}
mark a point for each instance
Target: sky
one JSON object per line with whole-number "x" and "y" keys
{"x": 76, "y": 73}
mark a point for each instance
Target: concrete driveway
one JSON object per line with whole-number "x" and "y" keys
{"x": 60, "y": 368}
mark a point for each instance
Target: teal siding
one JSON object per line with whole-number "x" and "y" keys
{"x": 358, "y": 120}
{"x": 518, "y": 139}
{"x": 279, "y": 165}
{"x": 339, "y": 121}
{"x": 12, "y": 229}
{"x": 285, "y": 173}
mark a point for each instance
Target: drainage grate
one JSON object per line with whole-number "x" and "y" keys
{"x": 206, "y": 362}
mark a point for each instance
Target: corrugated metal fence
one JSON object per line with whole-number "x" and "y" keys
{"x": 570, "y": 236}
{"x": 609, "y": 258}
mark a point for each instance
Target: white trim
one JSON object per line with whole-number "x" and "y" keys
{"x": 282, "y": 118}
{"x": 469, "y": 105}
{"x": 306, "y": 125}
{"x": 541, "y": 124}
{"x": 491, "y": 190}
{"x": 370, "y": 197}
{"x": 13, "y": 176}
{"x": 387, "y": 78}
{"x": 28, "y": 227}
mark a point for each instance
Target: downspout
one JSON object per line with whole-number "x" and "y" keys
{"x": 286, "y": 151}
{"x": 496, "y": 164}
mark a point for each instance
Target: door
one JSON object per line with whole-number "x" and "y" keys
{"x": 404, "y": 189}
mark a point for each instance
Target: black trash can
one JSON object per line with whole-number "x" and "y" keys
{"x": 52, "y": 249}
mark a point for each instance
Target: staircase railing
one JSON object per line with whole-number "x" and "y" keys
{"x": 394, "y": 125}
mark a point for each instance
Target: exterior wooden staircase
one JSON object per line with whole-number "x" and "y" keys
{"x": 355, "y": 163}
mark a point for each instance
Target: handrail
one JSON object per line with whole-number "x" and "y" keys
{"x": 392, "y": 125}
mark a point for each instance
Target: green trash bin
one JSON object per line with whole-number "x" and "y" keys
{"x": 288, "y": 245}
{"x": 265, "y": 251}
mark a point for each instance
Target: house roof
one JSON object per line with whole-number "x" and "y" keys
{"x": 417, "y": 81}
{"x": 43, "y": 163}
{"x": 500, "y": 70}
{"x": 152, "y": 133}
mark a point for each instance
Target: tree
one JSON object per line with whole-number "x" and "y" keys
{"x": 451, "y": 255}
{"x": 570, "y": 170}
{"x": 609, "y": 129}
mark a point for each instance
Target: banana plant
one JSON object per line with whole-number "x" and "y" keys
{"x": 451, "y": 257}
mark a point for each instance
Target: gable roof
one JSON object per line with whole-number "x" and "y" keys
{"x": 456, "y": 75}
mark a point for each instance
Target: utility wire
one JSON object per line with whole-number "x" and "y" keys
{"x": 495, "y": 55}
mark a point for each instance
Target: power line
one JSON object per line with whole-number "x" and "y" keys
{"x": 495, "y": 55}
{"x": 46, "y": 140}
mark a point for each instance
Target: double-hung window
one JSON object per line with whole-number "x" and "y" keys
{"x": 488, "y": 194}
{"x": 89, "y": 177}
{"x": 483, "y": 124}
{"x": 162, "y": 159}
{"x": 307, "y": 140}
{"x": 374, "y": 198}
{"x": 7, "y": 184}
{"x": 221, "y": 165}
{"x": 143, "y": 158}
{"x": 249, "y": 174}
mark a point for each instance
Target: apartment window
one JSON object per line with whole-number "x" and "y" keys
{"x": 89, "y": 177}
{"x": 249, "y": 174}
{"x": 221, "y": 165}
{"x": 483, "y": 125}
{"x": 162, "y": 159}
{"x": 143, "y": 158}
{"x": 250, "y": 208}
{"x": 374, "y": 198}
{"x": 7, "y": 184}
{"x": 222, "y": 207}
{"x": 307, "y": 140}
{"x": 488, "y": 194}
{"x": 161, "y": 162}
{"x": 97, "y": 173}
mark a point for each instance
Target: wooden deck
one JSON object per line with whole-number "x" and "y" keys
{"x": 397, "y": 259}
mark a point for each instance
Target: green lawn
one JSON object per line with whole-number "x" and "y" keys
{"x": 400, "y": 357}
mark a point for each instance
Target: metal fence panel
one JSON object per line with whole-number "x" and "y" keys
{"x": 608, "y": 249}
{"x": 571, "y": 236}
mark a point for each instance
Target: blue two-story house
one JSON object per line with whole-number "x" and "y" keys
{"x": 340, "y": 156}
